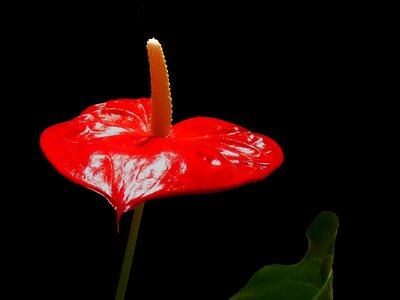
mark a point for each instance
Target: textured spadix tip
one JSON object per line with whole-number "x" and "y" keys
{"x": 153, "y": 41}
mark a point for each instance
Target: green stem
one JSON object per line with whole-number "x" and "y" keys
{"x": 130, "y": 249}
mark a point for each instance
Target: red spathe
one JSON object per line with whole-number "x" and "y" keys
{"x": 110, "y": 148}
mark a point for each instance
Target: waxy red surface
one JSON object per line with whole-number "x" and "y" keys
{"x": 110, "y": 149}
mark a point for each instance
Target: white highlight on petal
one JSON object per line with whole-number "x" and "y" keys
{"x": 260, "y": 143}
{"x": 245, "y": 150}
{"x": 143, "y": 177}
{"x": 133, "y": 177}
{"x": 229, "y": 153}
{"x": 111, "y": 130}
{"x": 250, "y": 138}
{"x": 100, "y": 130}
{"x": 95, "y": 172}
{"x": 216, "y": 162}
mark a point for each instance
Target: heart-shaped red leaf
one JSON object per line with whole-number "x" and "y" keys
{"x": 109, "y": 148}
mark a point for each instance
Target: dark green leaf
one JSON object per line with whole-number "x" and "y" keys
{"x": 309, "y": 279}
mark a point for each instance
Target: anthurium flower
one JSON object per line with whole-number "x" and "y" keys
{"x": 128, "y": 151}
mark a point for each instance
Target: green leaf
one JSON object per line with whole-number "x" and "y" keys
{"x": 309, "y": 279}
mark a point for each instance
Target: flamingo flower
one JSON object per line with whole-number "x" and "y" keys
{"x": 128, "y": 151}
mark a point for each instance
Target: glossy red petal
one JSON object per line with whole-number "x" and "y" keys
{"x": 109, "y": 148}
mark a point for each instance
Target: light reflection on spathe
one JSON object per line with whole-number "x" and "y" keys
{"x": 260, "y": 143}
{"x": 133, "y": 177}
{"x": 99, "y": 130}
{"x": 107, "y": 130}
{"x": 245, "y": 150}
{"x": 143, "y": 176}
{"x": 216, "y": 162}
{"x": 229, "y": 153}
{"x": 96, "y": 172}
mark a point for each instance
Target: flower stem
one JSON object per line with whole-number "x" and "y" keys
{"x": 130, "y": 249}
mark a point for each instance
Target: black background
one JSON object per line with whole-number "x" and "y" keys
{"x": 291, "y": 72}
